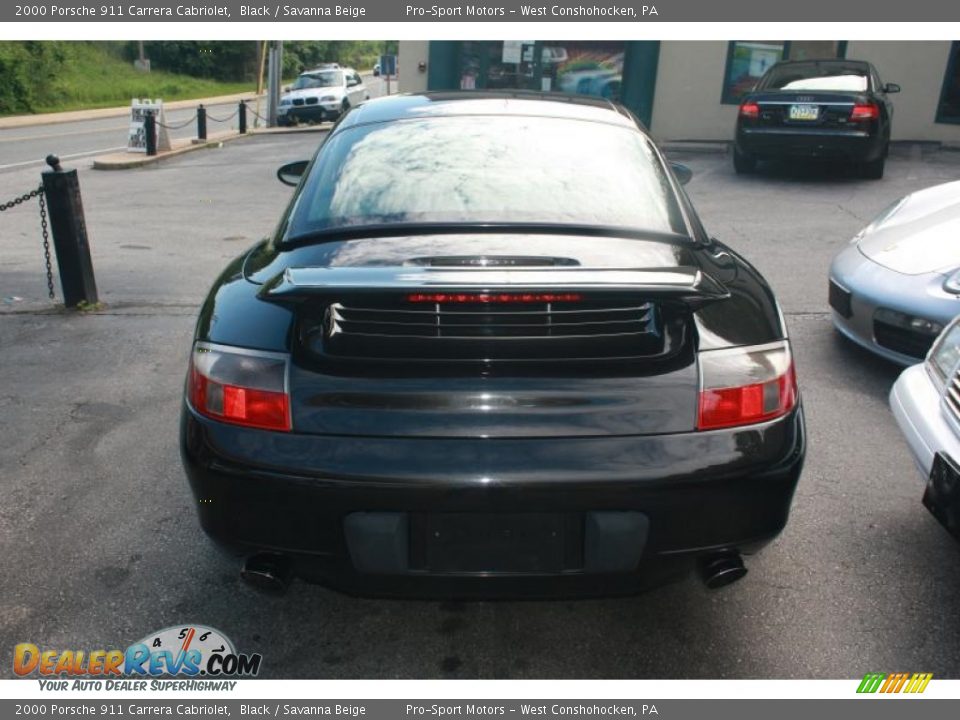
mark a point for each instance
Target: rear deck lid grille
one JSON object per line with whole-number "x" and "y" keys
{"x": 597, "y": 329}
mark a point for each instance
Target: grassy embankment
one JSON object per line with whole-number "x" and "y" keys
{"x": 93, "y": 77}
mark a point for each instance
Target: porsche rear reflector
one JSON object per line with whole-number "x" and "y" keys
{"x": 239, "y": 386}
{"x": 742, "y": 386}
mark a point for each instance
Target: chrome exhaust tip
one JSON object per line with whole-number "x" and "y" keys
{"x": 721, "y": 569}
{"x": 267, "y": 572}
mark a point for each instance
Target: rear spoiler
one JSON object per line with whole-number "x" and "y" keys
{"x": 685, "y": 284}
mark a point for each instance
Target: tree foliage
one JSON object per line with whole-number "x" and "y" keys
{"x": 27, "y": 72}
{"x": 30, "y": 70}
{"x": 237, "y": 60}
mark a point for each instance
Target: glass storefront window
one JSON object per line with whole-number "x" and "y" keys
{"x": 583, "y": 68}
{"x": 576, "y": 67}
{"x": 948, "y": 111}
{"x": 748, "y": 60}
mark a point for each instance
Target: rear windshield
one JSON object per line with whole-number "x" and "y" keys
{"x": 817, "y": 76}
{"x": 486, "y": 169}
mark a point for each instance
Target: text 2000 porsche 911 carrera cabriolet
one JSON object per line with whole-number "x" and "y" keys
{"x": 490, "y": 349}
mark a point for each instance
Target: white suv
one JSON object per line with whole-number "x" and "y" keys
{"x": 321, "y": 94}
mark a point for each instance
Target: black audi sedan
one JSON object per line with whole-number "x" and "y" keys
{"x": 491, "y": 350}
{"x": 830, "y": 109}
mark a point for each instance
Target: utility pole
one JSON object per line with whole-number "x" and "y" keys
{"x": 274, "y": 81}
{"x": 141, "y": 63}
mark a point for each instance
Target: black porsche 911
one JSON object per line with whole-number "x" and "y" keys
{"x": 829, "y": 109}
{"x": 491, "y": 350}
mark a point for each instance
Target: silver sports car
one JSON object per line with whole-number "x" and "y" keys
{"x": 898, "y": 284}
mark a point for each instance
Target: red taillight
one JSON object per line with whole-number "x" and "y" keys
{"x": 444, "y": 298}
{"x": 749, "y": 109}
{"x": 865, "y": 111}
{"x": 243, "y": 387}
{"x": 741, "y": 386}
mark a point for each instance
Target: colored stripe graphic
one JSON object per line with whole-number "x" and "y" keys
{"x": 871, "y": 682}
{"x": 894, "y": 682}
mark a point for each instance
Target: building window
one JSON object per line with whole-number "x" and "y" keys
{"x": 576, "y": 67}
{"x": 948, "y": 111}
{"x": 748, "y": 60}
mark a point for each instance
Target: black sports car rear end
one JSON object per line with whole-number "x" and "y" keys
{"x": 444, "y": 376}
{"x": 829, "y": 109}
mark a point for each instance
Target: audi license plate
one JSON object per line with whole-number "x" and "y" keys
{"x": 804, "y": 112}
{"x": 942, "y": 497}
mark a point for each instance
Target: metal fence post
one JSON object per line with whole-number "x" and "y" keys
{"x": 62, "y": 190}
{"x": 201, "y": 123}
{"x": 150, "y": 130}
{"x": 242, "y": 110}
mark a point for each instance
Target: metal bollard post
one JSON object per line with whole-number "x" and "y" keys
{"x": 150, "y": 130}
{"x": 62, "y": 190}
{"x": 201, "y": 123}
{"x": 242, "y": 110}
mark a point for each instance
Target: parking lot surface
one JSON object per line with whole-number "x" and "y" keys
{"x": 101, "y": 542}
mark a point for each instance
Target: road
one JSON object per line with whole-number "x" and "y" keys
{"x": 22, "y": 147}
{"x": 100, "y": 536}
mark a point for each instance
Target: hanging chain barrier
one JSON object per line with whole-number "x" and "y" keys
{"x": 200, "y": 117}
{"x": 178, "y": 126}
{"x": 22, "y": 199}
{"x": 255, "y": 113}
{"x": 44, "y": 229}
{"x": 226, "y": 119}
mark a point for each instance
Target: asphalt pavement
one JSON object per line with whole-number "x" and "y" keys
{"x": 101, "y": 542}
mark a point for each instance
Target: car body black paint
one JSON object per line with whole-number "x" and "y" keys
{"x": 374, "y": 440}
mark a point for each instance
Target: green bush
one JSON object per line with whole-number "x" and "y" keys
{"x": 27, "y": 73}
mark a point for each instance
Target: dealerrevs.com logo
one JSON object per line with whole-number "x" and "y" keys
{"x": 181, "y": 651}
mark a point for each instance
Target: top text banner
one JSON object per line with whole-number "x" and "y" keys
{"x": 650, "y": 11}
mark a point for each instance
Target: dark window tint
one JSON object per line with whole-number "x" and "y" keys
{"x": 487, "y": 169}
{"x": 817, "y": 76}
{"x": 948, "y": 111}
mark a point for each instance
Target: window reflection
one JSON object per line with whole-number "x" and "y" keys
{"x": 486, "y": 169}
{"x": 568, "y": 66}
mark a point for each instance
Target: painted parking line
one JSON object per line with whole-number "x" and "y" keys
{"x": 64, "y": 157}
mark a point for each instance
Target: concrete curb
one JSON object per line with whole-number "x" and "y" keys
{"x": 128, "y": 161}
{"x": 693, "y": 146}
{"x": 18, "y": 121}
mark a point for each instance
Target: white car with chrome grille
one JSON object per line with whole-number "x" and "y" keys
{"x": 926, "y": 404}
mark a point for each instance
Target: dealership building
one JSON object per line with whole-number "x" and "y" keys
{"x": 690, "y": 90}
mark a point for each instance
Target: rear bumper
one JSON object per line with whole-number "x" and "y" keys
{"x": 659, "y": 501}
{"x": 852, "y": 145}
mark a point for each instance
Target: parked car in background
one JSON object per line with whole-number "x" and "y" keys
{"x": 926, "y": 404}
{"x": 477, "y": 358}
{"x": 897, "y": 284}
{"x": 322, "y": 95}
{"x": 831, "y": 109}
{"x": 376, "y": 69}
